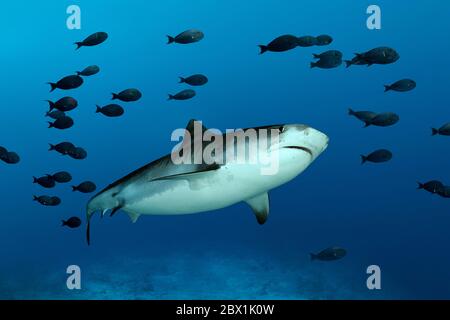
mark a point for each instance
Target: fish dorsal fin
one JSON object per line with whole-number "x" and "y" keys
{"x": 133, "y": 216}
{"x": 260, "y": 205}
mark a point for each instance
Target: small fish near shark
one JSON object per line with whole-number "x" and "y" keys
{"x": 164, "y": 187}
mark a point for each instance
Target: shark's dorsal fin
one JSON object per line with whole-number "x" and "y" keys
{"x": 260, "y": 206}
{"x": 190, "y": 127}
{"x": 133, "y": 216}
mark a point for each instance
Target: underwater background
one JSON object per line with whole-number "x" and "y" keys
{"x": 374, "y": 211}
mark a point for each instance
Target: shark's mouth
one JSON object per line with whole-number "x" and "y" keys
{"x": 305, "y": 149}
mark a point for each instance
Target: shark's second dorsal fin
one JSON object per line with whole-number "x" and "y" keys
{"x": 260, "y": 206}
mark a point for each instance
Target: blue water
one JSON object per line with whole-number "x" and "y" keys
{"x": 374, "y": 211}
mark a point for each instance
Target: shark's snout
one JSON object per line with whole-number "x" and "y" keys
{"x": 305, "y": 138}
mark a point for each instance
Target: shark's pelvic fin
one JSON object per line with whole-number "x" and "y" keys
{"x": 260, "y": 206}
{"x": 133, "y": 216}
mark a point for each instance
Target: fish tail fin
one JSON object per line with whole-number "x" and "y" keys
{"x": 35, "y": 198}
{"x": 79, "y": 45}
{"x": 52, "y": 86}
{"x": 74, "y": 188}
{"x": 63, "y": 223}
{"x": 367, "y": 123}
{"x": 313, "y": 256}
{"x": 420, "y": 185}
{"x": 387, "y": 88}
{"x": 52, "y": 147}
{"x": 363, "y": 159}
{"x": 34, "y": 179}
{"x": 78, "y": 73}
{"x": 182, "y": 80}
{"x": 171, "y": 97}
{"x": 262, "y": 48}
{"x": 316, "y": 56}
{"x": 312, "y": 65}
{"x": 348, "y": 63}
{"x": 170, "y": 39}
{"x": 50, "y": 124}
{"x": 434, "y": 131}
{"x": 51, "y": 105}
{"x": 114, "y": 96}
{"x": 351, "y": 112}
{"x": 99, "y": 109}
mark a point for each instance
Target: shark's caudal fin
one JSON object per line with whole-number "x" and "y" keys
{"x": 260, "y": 206}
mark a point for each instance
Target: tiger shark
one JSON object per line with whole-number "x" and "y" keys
{"x": 167, "y": 187}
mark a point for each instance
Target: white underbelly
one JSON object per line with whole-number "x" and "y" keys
{"x": 209, "y": 191}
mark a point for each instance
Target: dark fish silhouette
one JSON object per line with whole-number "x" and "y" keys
{"x": 280, "y": 44}
{"x": 364, "y": 116}
{"x": 89, "y": 71}
{"x": 443, "y": 131}
{"x": 55, "y": 114}
{"x": 323, "y": 40}
{"x": 77, "y": 153}
{"x": 63, "y": 147}
{"x": 67, "y": 83}
{"x": 111, "y": 110}
{"x": 377, "y": 156}
{"x": 64, "y": 104}
{"x": 328, "y": 54}
{"x": 306, "y": 41}
{"x": 92, "y": 40}
{"x": 401, "y": 86}
{"x": 385, "y": 119}
{"x": 62, "y": 123}
{"x": 46, "y": 181}
{"x": 381, "y": 55}
{"x": 195, "y": 80}
{"x": 327, "y": 60}
{"x": 188, "y": 36}
{"x": 329, "y": 254}
{"x": 182, "y": 95}
{"x": 62, "y": 177}
{"x": 85, "y": 187}
{"x": 128, "y": 95}
{"x": 72, "y": 222}
{"x": 3, "y": 151}
{"x": 433, "y": 186}
{"x": 47, "y": 200}
{"x": 10, "y": 157}
{"x": 444, "y": 192}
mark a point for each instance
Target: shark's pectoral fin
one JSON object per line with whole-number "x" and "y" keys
{"x": 133, "y": 216}
{"x": 260, "y": 206}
